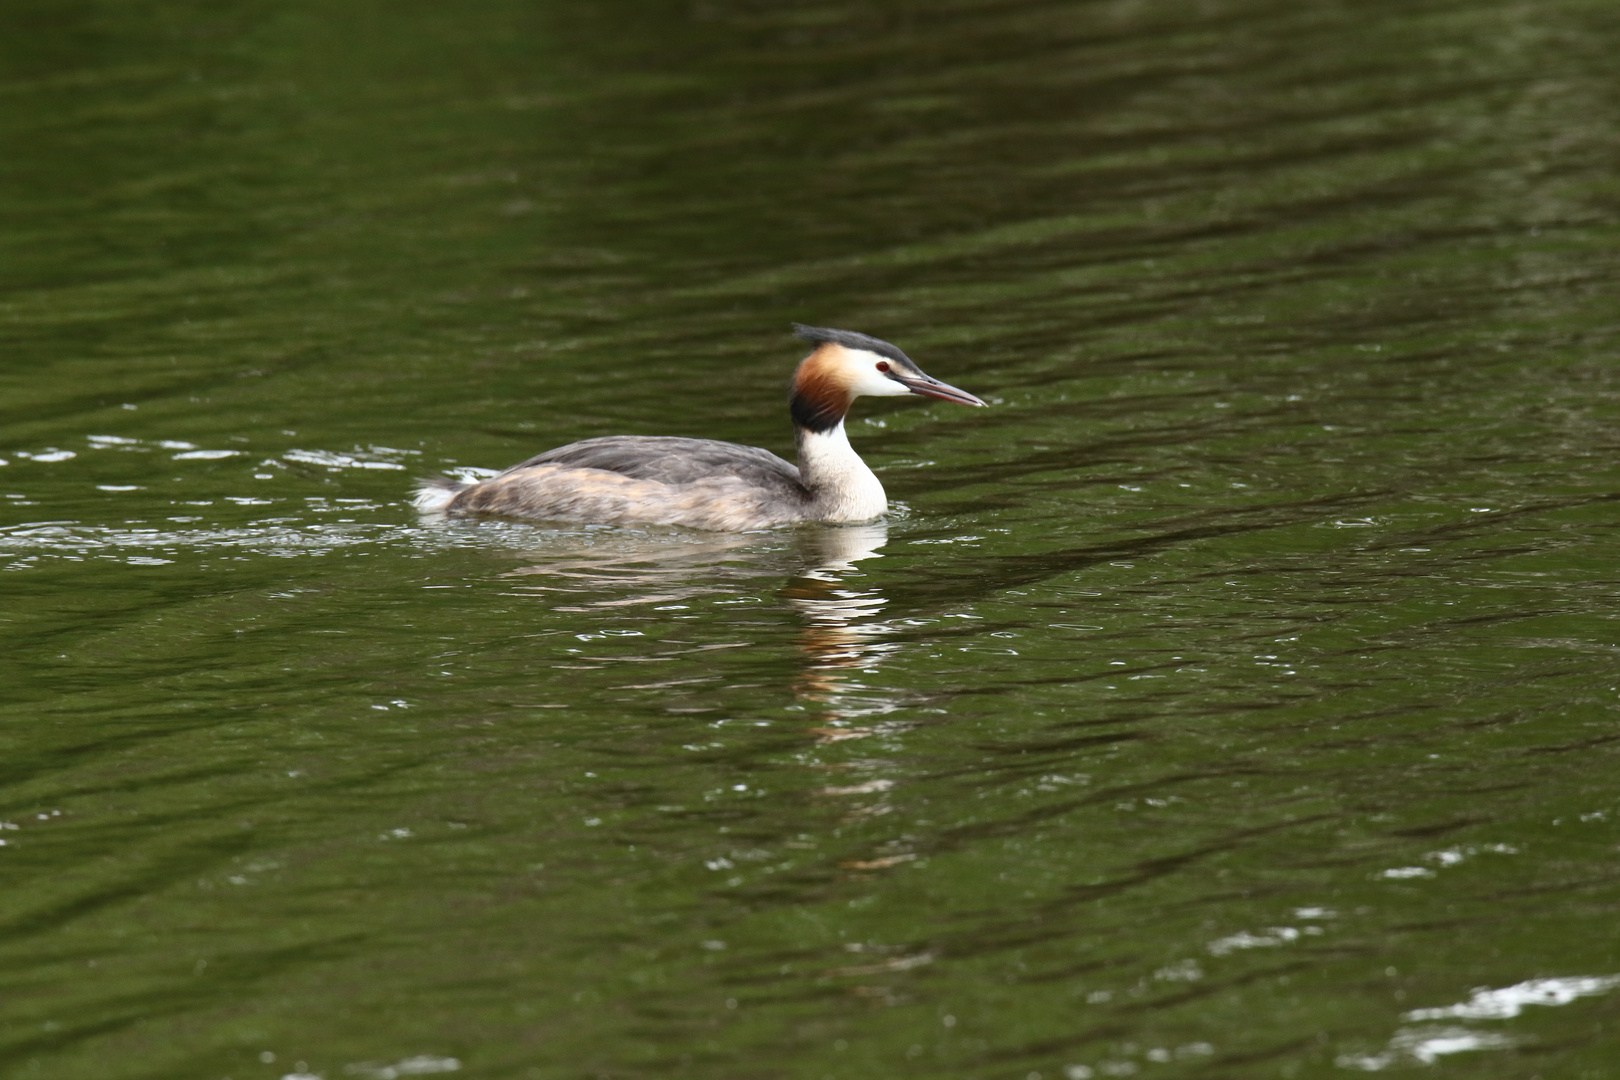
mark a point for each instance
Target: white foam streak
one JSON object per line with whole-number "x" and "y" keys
{"x": 1487, "y": 1004}
{"x": 421, "y": 1065}
{"x": 1426, "y": 1045}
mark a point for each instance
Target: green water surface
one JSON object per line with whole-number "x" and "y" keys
{"x": 1237, "y": 697}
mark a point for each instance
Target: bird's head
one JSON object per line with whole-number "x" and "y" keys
{"x": 846, "y": 365}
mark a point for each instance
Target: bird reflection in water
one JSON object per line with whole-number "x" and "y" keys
{"x": 598, "y": 571}
{"x": 843, "y": 634}
{"x": 602, "y": 569}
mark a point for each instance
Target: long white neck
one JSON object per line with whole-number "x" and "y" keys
{"x": 844, "y": 488}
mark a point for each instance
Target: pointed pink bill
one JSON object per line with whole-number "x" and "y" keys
{"x": 927, "y": 386}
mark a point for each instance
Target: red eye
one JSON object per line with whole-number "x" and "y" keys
{"x": 883, "y": 365}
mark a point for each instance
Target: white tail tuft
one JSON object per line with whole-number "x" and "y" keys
{"x": 435, "y": 493}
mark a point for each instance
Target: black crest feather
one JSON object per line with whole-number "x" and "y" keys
{"x": 849, "y": 339}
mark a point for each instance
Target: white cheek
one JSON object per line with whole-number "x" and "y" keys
{"x": 868, "y": 380}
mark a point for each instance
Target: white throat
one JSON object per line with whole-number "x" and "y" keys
{"x": 844, "y": 488}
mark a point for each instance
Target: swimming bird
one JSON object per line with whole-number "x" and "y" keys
{"x": 708, "y": 484}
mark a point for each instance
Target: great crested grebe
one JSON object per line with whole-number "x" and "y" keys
{"x": 707, "y": 484}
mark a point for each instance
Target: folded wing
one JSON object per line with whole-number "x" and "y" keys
{"x": 669, "y": 460}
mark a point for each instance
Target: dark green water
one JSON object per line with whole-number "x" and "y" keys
{"x": 1238, "y": 697}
